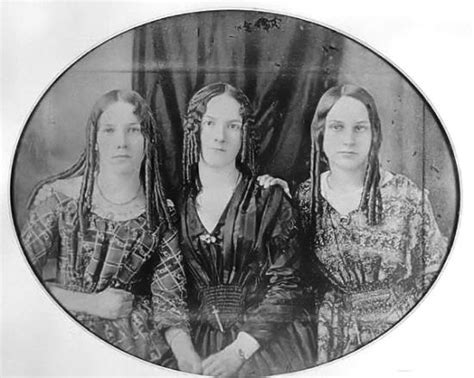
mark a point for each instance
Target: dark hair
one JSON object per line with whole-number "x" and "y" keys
{"x": 192, "y": 125}
{"x": 371, "y": 200}
{"x": 87, "y": 164}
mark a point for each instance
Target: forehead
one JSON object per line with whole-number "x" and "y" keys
{"x": 348, "y": 109}
{"x": 224, "y": 107}
{"x": 118, "y": 112}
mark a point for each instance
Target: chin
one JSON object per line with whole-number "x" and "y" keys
{"x": 217, "y": 161}
{"x": 350, "y": 165}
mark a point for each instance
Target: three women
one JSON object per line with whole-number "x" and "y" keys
{"x": 369, "y": 234}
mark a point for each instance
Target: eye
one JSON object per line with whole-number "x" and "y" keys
{"x": 135, "y": 129}
{"x": 361, "y": 128}
{"x": 235, "y": 126}
{"x": 336, "y": 126}
{"x": 207, "y": 122}
{"x": 107, "y": 130}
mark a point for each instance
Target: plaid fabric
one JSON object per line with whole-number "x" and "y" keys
{"x": 120, "y": 254}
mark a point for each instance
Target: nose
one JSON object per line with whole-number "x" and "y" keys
{"x": 219, "y": 132}
{"x": 349, "y": 137}
{"x": 121, "y": 139}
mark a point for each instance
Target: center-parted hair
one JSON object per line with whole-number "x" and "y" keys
{"x": 88, "y": 163}
{"x": 371, "y": 200}
{"x": 197, "y": 107}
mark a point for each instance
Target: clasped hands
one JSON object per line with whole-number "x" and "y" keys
{"x": 225, "y": 363}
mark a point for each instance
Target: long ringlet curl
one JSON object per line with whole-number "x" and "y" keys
{"x": 371, "y": 199}
{"x": 197, "y": 106}
{"x": 88, "y": 163}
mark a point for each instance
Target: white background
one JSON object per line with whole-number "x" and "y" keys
{"x": 432, "y": 43}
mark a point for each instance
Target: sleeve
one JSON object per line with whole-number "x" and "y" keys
{"x": 427, "y": 247}
{"x": 39, "y": 236}
{"x": 315, "y": 283}
{"x": 168, "y": 285}
{"x": 283, "y": 292}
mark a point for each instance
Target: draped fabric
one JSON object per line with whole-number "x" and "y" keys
{"x": 282, "y": 64}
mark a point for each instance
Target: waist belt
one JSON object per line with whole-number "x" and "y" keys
{"x": 222, "y": 306}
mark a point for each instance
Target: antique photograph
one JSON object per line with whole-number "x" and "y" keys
{"x": 234, "y": 192}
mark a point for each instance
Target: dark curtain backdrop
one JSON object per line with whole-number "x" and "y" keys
{"x": 281, "y": 63}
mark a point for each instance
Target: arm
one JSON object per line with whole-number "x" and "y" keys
{"x": 427, "y": 246}
{"x": 108, "y": 304}
{"x": 169, "y": 308}
{"x": 39, "y": 236}
{"x": 282, "y": 247}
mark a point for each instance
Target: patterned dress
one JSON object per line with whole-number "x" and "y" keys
{"x": 375, "y": 274}
{"x": 116, "y": 250}
{"x": 243, "y": 276}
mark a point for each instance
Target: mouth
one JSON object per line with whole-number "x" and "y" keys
{"x": 347, "y": 153}
{"x": 121, "y": 156}
{"x": 217, "y": 149}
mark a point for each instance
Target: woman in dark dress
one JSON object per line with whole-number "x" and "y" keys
{"x": 240, "y": 247}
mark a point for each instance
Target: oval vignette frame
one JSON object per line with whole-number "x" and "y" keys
{"x": 103, "y": 46}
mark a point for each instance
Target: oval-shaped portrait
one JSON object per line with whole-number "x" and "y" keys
{"x": 235, "y": 193}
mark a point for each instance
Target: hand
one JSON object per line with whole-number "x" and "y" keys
{"x": 225, "y": 363}
{"x": 189, "y": 362}
{"x": 112, "y": 304}
{"x": 266, "y": 181}
{"x": 183, "y": 349}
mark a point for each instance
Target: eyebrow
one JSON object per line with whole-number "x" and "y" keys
{"x": 214, "y": 118}
{"x": 126, "y": 124}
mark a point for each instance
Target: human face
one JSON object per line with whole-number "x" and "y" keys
{"x": 347, "y": 135}
{"x": 221, "y": 131}
{"x": 119, "y": 139}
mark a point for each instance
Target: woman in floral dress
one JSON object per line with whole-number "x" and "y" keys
{"x": 372, "y": 233}
{"x": 113, "y": 235}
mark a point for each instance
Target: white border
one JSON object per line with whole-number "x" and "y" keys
{"x": 430, "y": 42}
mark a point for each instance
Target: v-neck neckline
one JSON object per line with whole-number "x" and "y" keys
{"x": 224, "y": 212}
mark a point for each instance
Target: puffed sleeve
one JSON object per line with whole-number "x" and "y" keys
{"x": 39, "y": 236}
{"x": 427, "y": 247}
{"x": 281, "y": 271}
{"x": 168, "y": 284}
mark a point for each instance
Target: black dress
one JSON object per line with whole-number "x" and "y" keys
{"x": 243, "y": 276}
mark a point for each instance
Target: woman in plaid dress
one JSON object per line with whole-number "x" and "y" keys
{"x": 111, "y": 231}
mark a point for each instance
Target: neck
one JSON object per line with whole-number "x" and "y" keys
{"x": 343, "y": 180}
{"x": 217, "y": 177}
{"x": 118, "y": 186}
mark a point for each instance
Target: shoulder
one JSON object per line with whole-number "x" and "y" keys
{"x": 399, "y": 190}
{"x": 272, "y": 193}
{"x": 70, "y": 187}
{"x": 396, "y": 184}
{"x": 58, "y": 190}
